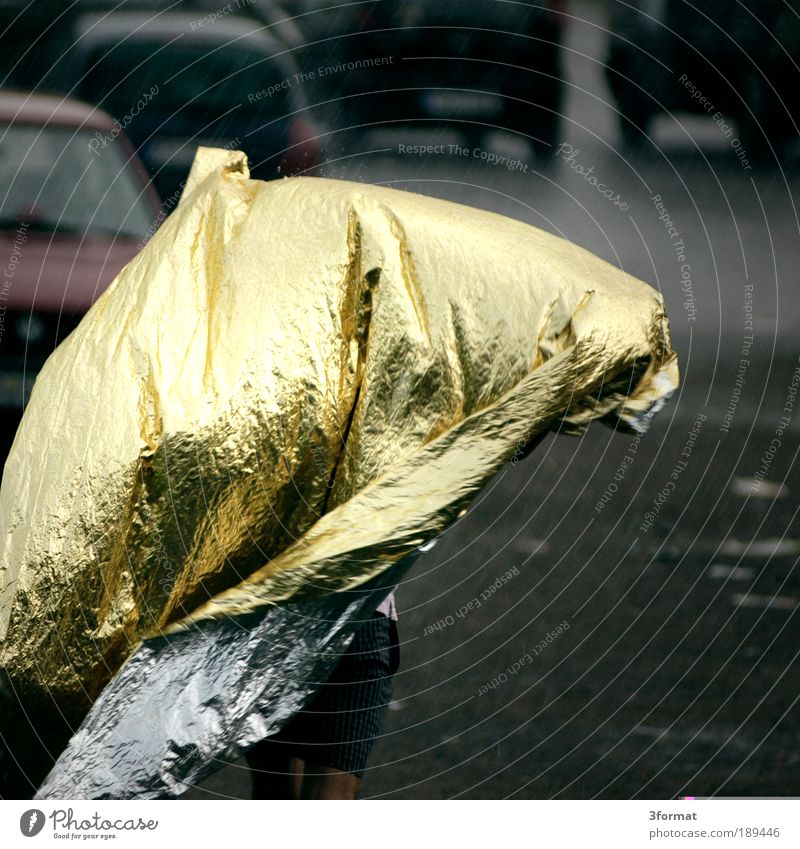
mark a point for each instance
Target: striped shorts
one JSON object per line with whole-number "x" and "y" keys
{"x": 338, "y": 728}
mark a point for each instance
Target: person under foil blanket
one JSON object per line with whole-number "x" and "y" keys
{"x": 289, "y": 393}
{"x": 323, "y": 751}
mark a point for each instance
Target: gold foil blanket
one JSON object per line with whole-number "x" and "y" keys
{"x": 291, "y": 388}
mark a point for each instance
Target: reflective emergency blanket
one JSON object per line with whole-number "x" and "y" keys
{"x": 293, "y": 387}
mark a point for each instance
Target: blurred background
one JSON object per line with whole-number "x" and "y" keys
{"x": 661, "y": 135}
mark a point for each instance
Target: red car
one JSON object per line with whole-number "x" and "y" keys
{"x": 73, "y": 212}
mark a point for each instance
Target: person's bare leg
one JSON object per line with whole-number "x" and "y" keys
{"x": 327, "y": 782}
{"x": 296, "y": 777}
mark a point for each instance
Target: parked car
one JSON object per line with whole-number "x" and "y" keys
{"x": 30, "y": 46}
{"x": 475, "y": 64}
{"x": 736, "y": 59}
{"x": 70, "y": 219}
{"x": 268, "y": 13}
{"x": 323, "y": 26}
{"x": 179, "y": 80}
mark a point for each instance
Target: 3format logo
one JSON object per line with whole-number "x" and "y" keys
{"x": 31, "y": 822}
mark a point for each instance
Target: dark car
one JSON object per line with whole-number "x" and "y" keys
{"x": 736, "y": 62}
{"x": 270, "y": 13}
{"x": 176, "y": 81}
{"x": 474, "y": 65}
{"x": 70, "y": 219}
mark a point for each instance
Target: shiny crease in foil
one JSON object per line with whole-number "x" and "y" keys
{"x": 294, "y": 386}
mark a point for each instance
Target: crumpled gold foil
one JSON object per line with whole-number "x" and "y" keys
{"x": 294, "y": 385}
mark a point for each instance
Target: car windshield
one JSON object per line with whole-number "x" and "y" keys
{"x": 51, "y": 178}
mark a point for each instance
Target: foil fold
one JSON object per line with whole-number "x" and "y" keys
{"x": 293, "y": 387}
